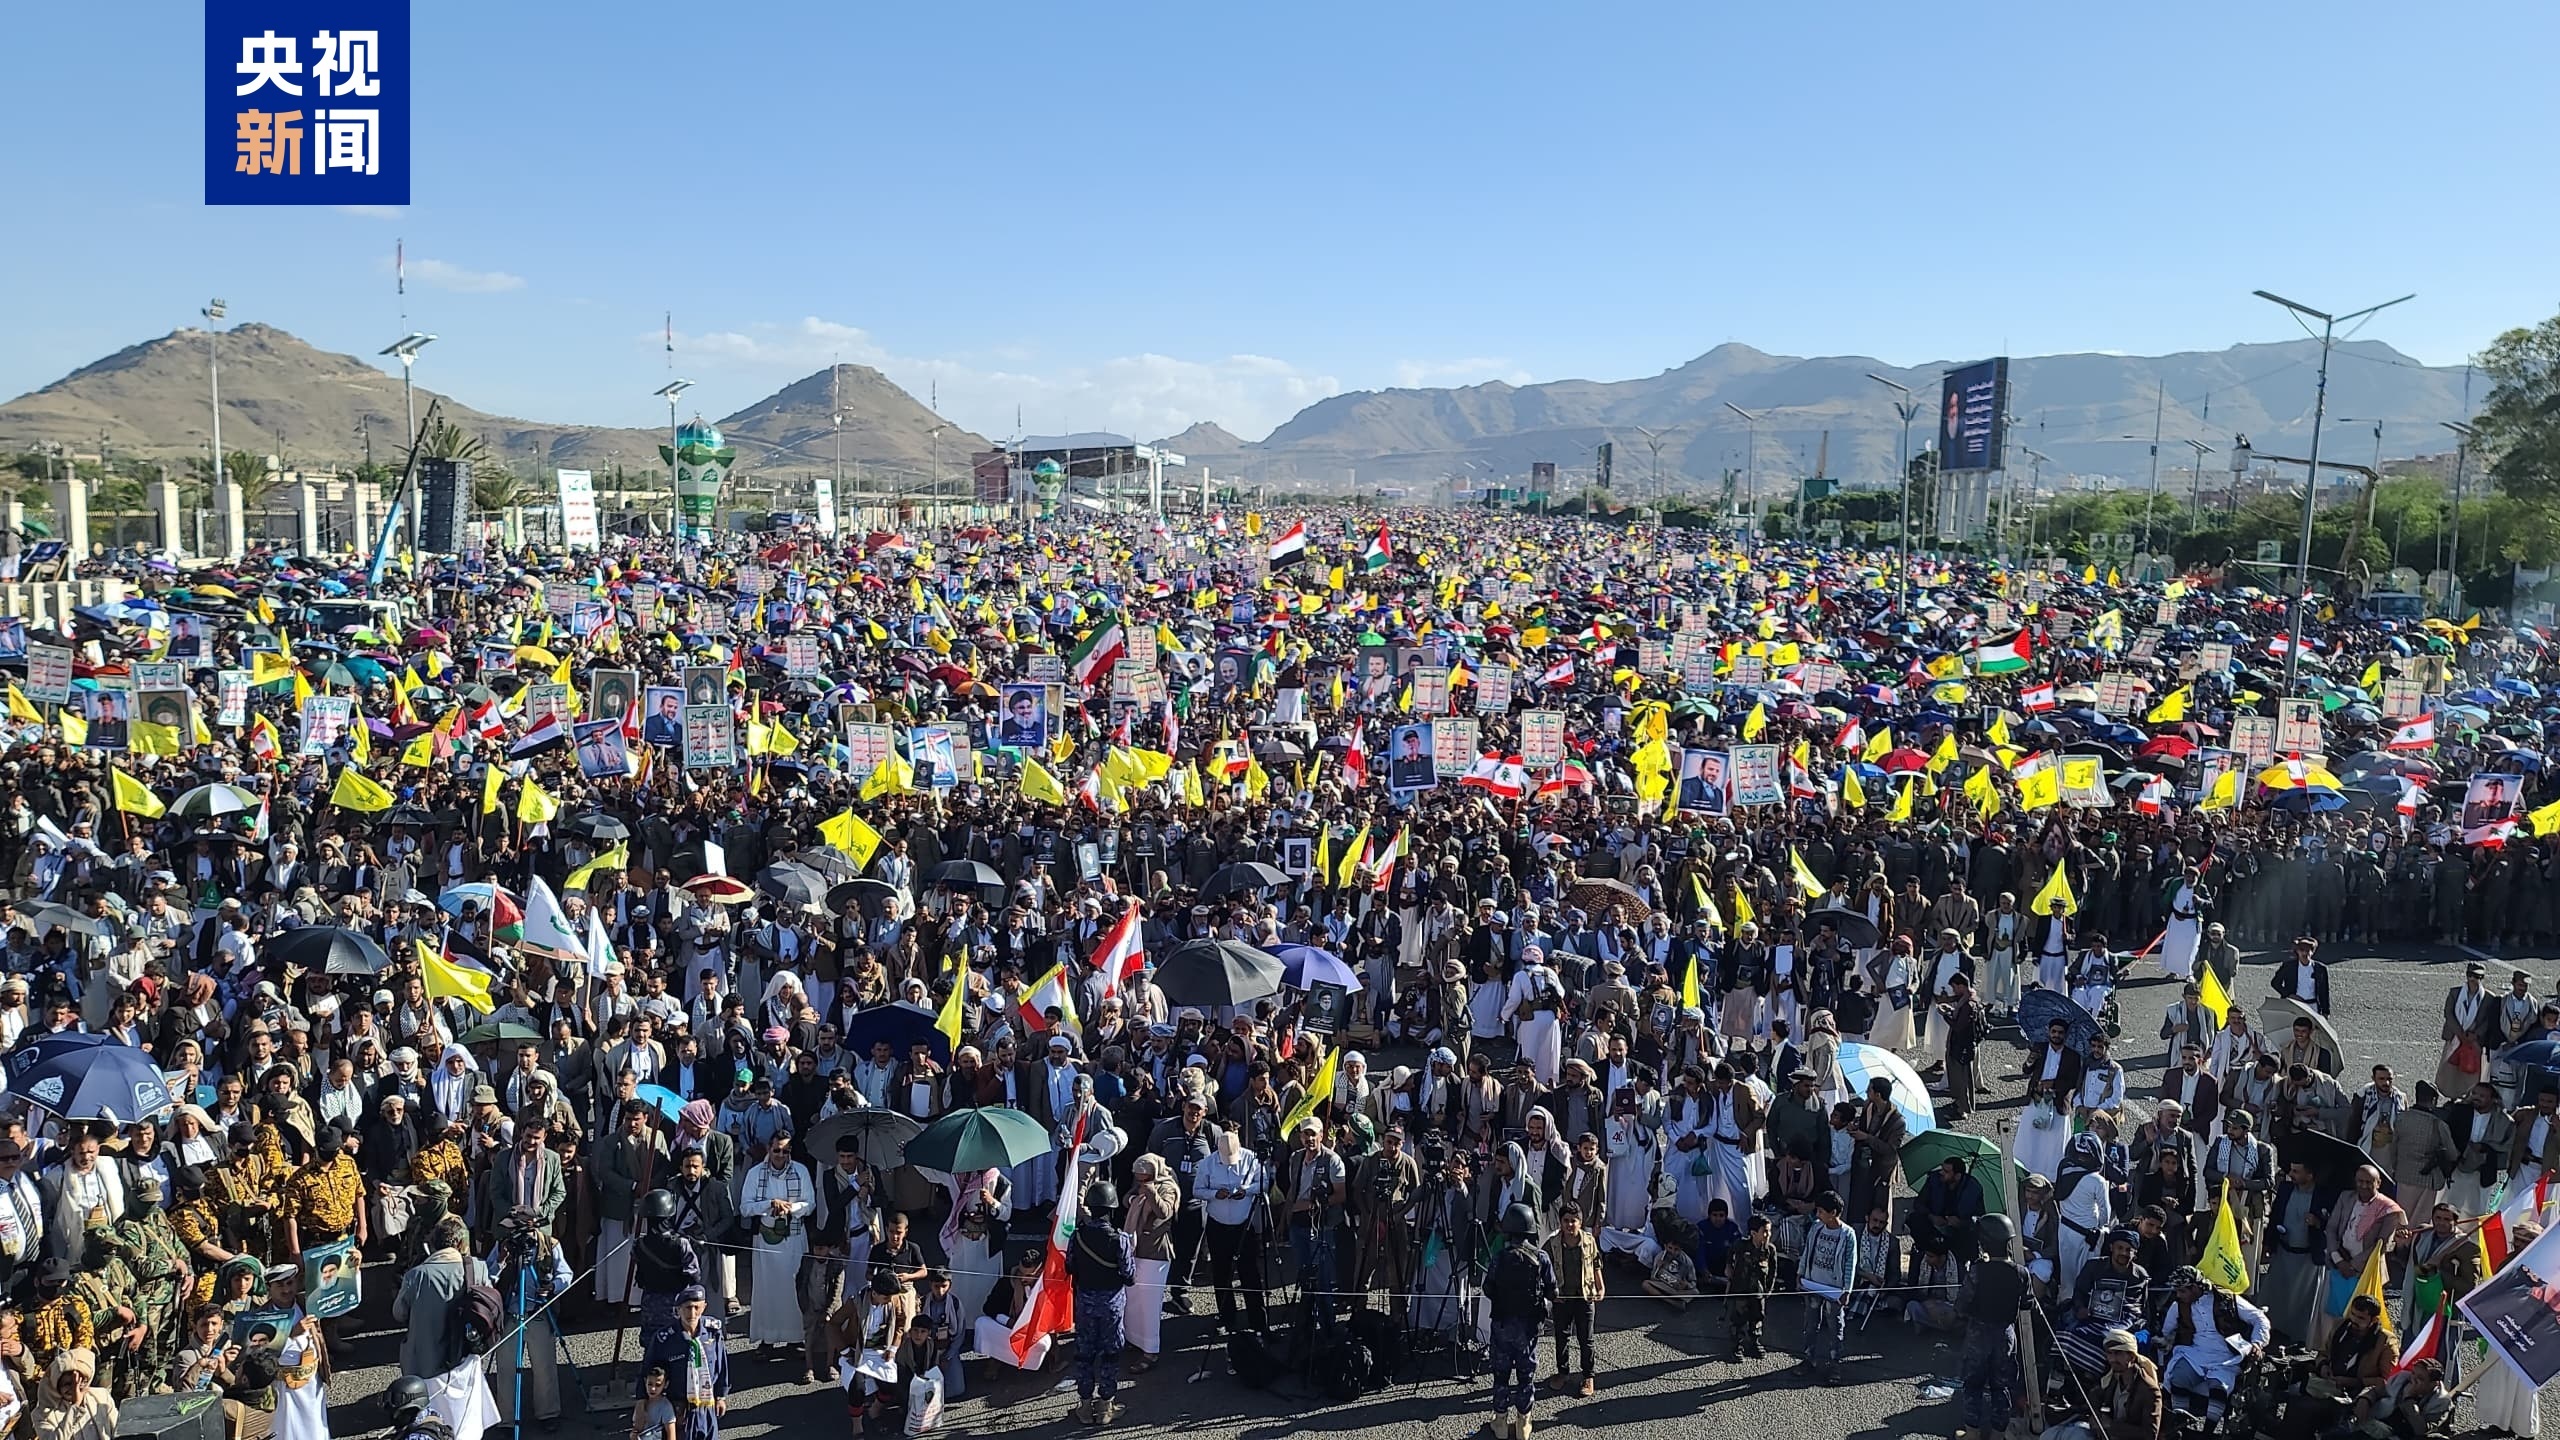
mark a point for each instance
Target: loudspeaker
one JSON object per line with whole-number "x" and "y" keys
{"x": 191, "y": 1416}
{"x": 443, "y": 500}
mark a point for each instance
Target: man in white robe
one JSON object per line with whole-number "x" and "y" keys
{"x": 774, "y": 1202}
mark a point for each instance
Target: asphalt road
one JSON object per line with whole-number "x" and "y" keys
{"x": 1657, "y": 1366}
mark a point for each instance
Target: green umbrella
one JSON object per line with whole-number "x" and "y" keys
{"x": 989, "y": 1138}
{"x": 500, "y": 1030}
{"x": 1982, "y": 1159}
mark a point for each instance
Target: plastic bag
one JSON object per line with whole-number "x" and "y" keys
{"x": 924, "y": 1402}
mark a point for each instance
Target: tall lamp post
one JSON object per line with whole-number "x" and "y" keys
{"x": 2466, "y": 435}
{"x": 2195, "y": 498}
{"x": 1905, "y": 405}
{"x": 1653, "y": 442}
{"x": 212, "y": 313}
{"x": 1750, "y": 467}
{"x": 407, "y": 348}
{"x": 2311, "y": 484}
{"x": 675, "y": 462}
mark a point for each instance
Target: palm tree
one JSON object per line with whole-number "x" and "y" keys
{"x": 447, "y": 441}
{"x": 498, "y": 489}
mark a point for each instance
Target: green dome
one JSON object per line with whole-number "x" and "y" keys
{"x": 1045, "y": 467}
{"x": 698, "y": 431}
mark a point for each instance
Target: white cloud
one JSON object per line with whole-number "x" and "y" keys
{"x": 445, "y": 275}
{"x": 1146, "y": 395}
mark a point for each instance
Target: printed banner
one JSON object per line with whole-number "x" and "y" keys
{"x": 49, "y": 673}
{"x": 1542, "y": 739}
{"x": 233, "y": 686}
{"x": 1756, "y": 778}
{"x": 1455, "y": 743}
{"x": 710, "y": 737}
{"x": 2298, "y": 726}
{"x": 325, "y": 719}
{"x": 867, "y": 746}
{"x": 1493, "y": 690}
{"x": 2254, "y": 736}
{"x": 333, "y": 1279}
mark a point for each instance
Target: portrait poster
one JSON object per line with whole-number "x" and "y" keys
{"x": 1754, "y": 779}
{"x": 2517, "y": 1311}
{"x": 706, "y": 685}
{"x": 1704, "y": 780}
{"x": 13, "y": 638}
{"x": 1410, "y": 762}
{"x": 710, "y": 737}
{"x": 332, "y": 1279}
{"x": 1327, "y": 1005}
{"x": 1025, "y": 723}
{"x": 610, "y": 693}
{"x": 173, "y": 708}
{"x": 2489, "y": 807}
{"x": 931, "y": 751}
{"x": 601, "y": 751}
{"x": 662, "y": 716}
{"x": 265, "y": 1328}
{"x": 1298, "y": 856}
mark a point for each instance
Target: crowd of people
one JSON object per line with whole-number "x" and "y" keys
{"x": 1441, "y": 922}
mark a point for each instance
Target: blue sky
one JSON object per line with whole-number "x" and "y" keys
{"x": 1132, "y": 216}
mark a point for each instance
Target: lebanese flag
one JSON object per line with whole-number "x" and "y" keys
{"x": 1219, "y": 523}
{"x": 1500, "y": 775}
{"x": 1356, "y": 759}
{"x": 2418, "y": 734}
{"x": 1559, "y": 676}
{"x": 1052, "y": 1306}
{"x": 2036, "y": 699}
{"x": 487, "y": 722}
{"x": 2154, "y": 792}
{"x": 1383, "y": 864}
{"x": 2284, "y": 645}
{"x": 2424, "y": 1344}
{"x": 1291, "y": 546}
{"x": 1122, "y": 953}
{"x": 1852, "y": 736}
{"x": 2408, "y": 803}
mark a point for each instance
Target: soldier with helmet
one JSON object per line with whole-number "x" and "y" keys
{"x": 1520, "y": 1286}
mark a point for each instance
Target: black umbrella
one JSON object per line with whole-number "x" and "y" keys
{"x": 1854, "y": 928}
{"x": 328, "y": 949}
{"x": 596, "y": 828}
{"x": 2333, "y": 1161}
{"x": 828, "y": 861}
{"x": 961, "y": 874}
{"x": 901, "y": 1025}
{"x": 879, "y": 892}
{"x": 1280, "y": 750}
{"x": 1218, "y": 972}
{"x": 2039, "y": 1008}
{"x": 1244, "y": 875}
{"x": 793, "y": 884}
{"x": 408, "y": 815}
{"x": 2114, "y": 757}
{"x": 880, "y": 1135}
{"x": 498, "y": 1031}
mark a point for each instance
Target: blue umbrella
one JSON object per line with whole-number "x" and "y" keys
{"x": 2540, "y": 1054}
{"x": 2485, "y": 699}
{"x": 1862, "y": 1063}
{"x": 668, "y": 1102}
{"x": 112, "y": 1082}
{"x": 2038, "y": 1009}
{"x": 2514, "y": 686}
{"x": 2309, "y": 802}
{"x": 900, "y": 1024}
{"x": 1304, "y": 966}
{"x": 46, "y": 1046}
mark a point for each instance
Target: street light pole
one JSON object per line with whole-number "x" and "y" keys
{"x": 1750, "y": 468}
{"x": 2311, "y": 482}
{"x": 407, "y": 348}
{"x": 1906, "y": 406}
{"x": 212, "y": 313}
{"x": 675, "y": 461}
{"x": 2461, "y": 455}
{"x": 2159, "y": 407}
{"x": 1653, "y": 442}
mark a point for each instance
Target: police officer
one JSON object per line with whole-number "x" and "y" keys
{"x": 1521, "y": 1286}
{"x": 407, "y": 1399}
{"x": 1103, "y": 1265}
{"x": 1988, "y": 1300}
{"x": 663, "y": 1263}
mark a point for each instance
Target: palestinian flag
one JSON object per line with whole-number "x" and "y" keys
{"x": 1291, "y": 546}
{"x": 2009, "y": 655}
{"x": 2036, "y": 698}
{"x": 1381, "y": 550}
{"x": 1090, "y": 664}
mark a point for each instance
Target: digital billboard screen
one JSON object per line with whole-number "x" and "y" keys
{"x": 1973, "y": 411}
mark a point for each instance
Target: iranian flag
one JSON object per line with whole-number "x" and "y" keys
{"x": 1291, "y": 547}
{"x": 1091, "y": 662}
{"x": 2036, "y": 698}
{"x": 1122, "y": 953}
{"x": 1381, "y": 550}
{"x": 2418, "y": 734}
{"x": 2005, "y": 657}
{"x": 1052, "y": 1306}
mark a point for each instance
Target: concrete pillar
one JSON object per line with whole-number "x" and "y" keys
{"x": 71, "y": 516}
{"x": 14, "y": 514}
{"x": 513, "y": 521}
{"x": 360, "y": 536}
{"x": 230, "y": 526}
{"x": 306, "y": 514}
{"x": 166, "y": 515}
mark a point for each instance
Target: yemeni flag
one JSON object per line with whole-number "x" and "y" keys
{"x": 2005, "y": 657}
{"x": 1381, "y": 550}
{"x": 1052, "y": 1306}
{"x": 2036, "y": 698}
{"x": 1291, "y": 546}
{"x": 1092, "y": 660}
{"x": 1355, "y": 758}
{"x": 1122, "y": 953}
{"x": 552, "y": 733}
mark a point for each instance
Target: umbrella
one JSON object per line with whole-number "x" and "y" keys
{"x": 51, "y": 1042}
{"x": 328, "y": 949}
{"x": 961, "y": 874}
{"x": 1982, "y": 1160}
{"x": 44, "y": 915}
{"x": 483, "y": 891}
{"x": 992, "y": 1137}
{"x": 410, "y": 815}
{"x": 1218, "y": 972}
{"x": 867, "y": 890}
{"x": 665, "y": 1101}
{"x": 881, "y": 1136}
{"x": 1243, "y": 875}
{"x": 596, "y": 828}
{"x": 2038, "y": 1009}
{"x": 2333, "y": 1161}
{"x": 2532, "y": 1054}
{"x": 1856, "y": 929}
{"x": 497, "y": 1030}
{"x": 794, "y": 884}
{"x": 111, "y": 1082}
{"x": 901, "y": 1025}
{"x": 1598, "y": 897}
{"x": 1862, "y": 1063}
{"x": 719, "y": 890}
{"x": 828, "y": 861}
{"x": 1305, "y": 966}
{"x": 206, "y": 802}
{"x": 2278, "y": 1013}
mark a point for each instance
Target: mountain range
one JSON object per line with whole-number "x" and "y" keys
{"x": 2088, "y": 414}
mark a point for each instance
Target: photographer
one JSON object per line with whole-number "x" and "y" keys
{"x": 1384, "y": 1185}
{"x": 529, "y": 1270}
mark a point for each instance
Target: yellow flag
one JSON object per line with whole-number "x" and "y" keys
{"x": 1946, "y": 755}
{"x": 2371, "y": 1286}
{"x": 2224, "y": 1263}
{"x": 135, "y": 798}
{"x": 1982, "y": 790}
{"x": 2225, "y": 793}
{"x": 2546, "y": 819}
{"x": 1690, "y": 998}
{"x": 354, "y": 791}
{"x": 1852, "y": 794}
{"x": 360, "y": 740}
{"x": 1743, "y": 914}
{"x": 947, "y": 1020}
{"x": 447, "y": 981}
{"x": 421, "y": 750}
{"x": 147, "y": 738}
{"x": 1352, "y": 855}
{"x": 75, "y": 731}
{"x": 847, "y": 832}
{"x": 2172, "y": 706}
{"x": 535, "y": 805}
{"x": 1901, "y": 810}
{"x": 1806, "y": 880}
{"x": 1317, "y": 1094}
{"x": 21, "y": 708}
{"x": 2210, "y": 994}
{"x": 2056, "y": 888}
{"x": 2372, "y": 676}
{"x": 489, "y": 789}
{"x": 1039, "y": 784}
{"x": 617, "y": 858}
{"x": 1879, "y": 745}
{"x": 1706, "y": 903}
{"x": 265, "y": 668}
{"x": 2040, "y": 789}
{"x": 1999, "y": 731}
{"x": 1755, "y": 722}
